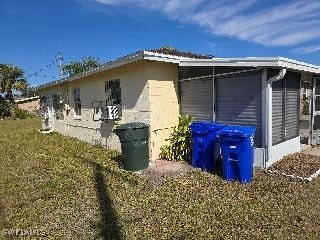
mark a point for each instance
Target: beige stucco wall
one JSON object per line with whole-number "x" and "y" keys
{"x": 148, "y": 93}
{"x": 164, "y": 106}
{"x": 135, "y": 107}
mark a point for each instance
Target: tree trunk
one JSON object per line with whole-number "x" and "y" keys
{"x": 12, "y": 107}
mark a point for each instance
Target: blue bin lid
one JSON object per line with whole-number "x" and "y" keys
{"x": 243, "y": 131}
{"x": 205, "y": 126}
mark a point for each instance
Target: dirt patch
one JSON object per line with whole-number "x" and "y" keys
{"x": 298, "y": 164}
{"x": 159, "y": 170}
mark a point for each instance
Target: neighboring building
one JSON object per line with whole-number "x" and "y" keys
{"x": 155, "y": 88}
{"x": 30, "y": 104}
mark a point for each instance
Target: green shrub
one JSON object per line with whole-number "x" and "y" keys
{"x": 4, "y": 108}
{"x": 23, "y": 114}
{"x": 179, "y": 147}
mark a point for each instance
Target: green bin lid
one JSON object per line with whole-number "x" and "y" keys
{"x": 132, "y": 125}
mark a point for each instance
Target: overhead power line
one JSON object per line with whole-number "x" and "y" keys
{"x": 35, "y": 74}
{"x": 56, "y": 61}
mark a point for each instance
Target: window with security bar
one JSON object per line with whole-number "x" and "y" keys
{"x": 113, "y": 92}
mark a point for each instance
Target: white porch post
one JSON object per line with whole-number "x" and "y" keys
{"x": 266, "y": 116}
{"x": 213, "y": 97}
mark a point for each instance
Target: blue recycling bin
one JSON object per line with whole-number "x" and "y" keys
{"x": 237, "y": 146}
{"x": 205, "y": 149}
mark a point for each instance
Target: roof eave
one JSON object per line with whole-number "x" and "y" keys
{"x": 296, "y": 65}
{"x": 141, "y": 55}
{"x": 113, "y": 64}
{"x": 253, "y": 62}
{"x": 231, "y": 62}
{"x": 185, "y": 61}
{"x": 152, "y": 56}
{"x": 26, "y": 99}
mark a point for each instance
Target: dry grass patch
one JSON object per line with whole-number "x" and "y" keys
{"x": 298, "y": 164}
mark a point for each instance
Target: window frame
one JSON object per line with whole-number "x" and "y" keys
{"x": 77, "y": 103}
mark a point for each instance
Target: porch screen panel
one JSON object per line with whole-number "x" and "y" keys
{"x": 292, "y": 105}
{"x": 285, "y": 107}
{"x": 239, "y": 101}
{"x": 277, "y": 112}
{"x": 196, "y": 98}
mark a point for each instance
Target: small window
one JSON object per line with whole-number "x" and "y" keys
{"x": 113, "y": 91}
{"x": 77, "y": 101}
{"x": 57, "y": 102}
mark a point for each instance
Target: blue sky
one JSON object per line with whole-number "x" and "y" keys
{"x": 33, "y": 31}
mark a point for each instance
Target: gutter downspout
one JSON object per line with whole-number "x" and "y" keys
{"x": 269, "y": 81}
{"x": 279, "y": 77}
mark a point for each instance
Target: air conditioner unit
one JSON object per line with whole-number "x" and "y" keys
{"x": 110, "y": 113}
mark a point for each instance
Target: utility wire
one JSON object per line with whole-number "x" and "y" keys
{"x": 35, "y": 74}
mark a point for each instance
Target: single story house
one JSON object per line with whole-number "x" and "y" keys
{"x": 154, "y": 88}
{"x": 30, "y": 104}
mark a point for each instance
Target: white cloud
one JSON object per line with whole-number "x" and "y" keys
{"x": 307, "y": 49}
{"x": 287, "y": 24}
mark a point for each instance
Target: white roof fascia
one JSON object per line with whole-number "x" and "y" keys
{"x": 297, "y": 65}
{"x": 253, "y": 62}
{"x": 113, "y": 64}
{"x": 152, "y": 56}
{"x": 26, "y": 99}
{"x": 185, "y": 61}
{"x": 141, "y": 55}
{"x": 232, "y": 62}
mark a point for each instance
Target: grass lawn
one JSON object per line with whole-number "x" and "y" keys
{"x": 72, "y": 190}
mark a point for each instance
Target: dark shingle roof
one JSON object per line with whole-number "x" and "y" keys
{"x": 175, "y": 52}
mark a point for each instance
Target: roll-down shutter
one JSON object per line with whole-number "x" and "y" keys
{"x": 285, "y": 107}
{"x": 239, "y": 101}
{"x": 196, "y": 98}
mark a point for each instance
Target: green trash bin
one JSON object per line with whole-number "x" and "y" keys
{"x": 134, "y": 138}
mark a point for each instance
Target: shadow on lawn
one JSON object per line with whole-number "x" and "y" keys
{"x": 109, "y": 224}
{"x": 110, "y": 228}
